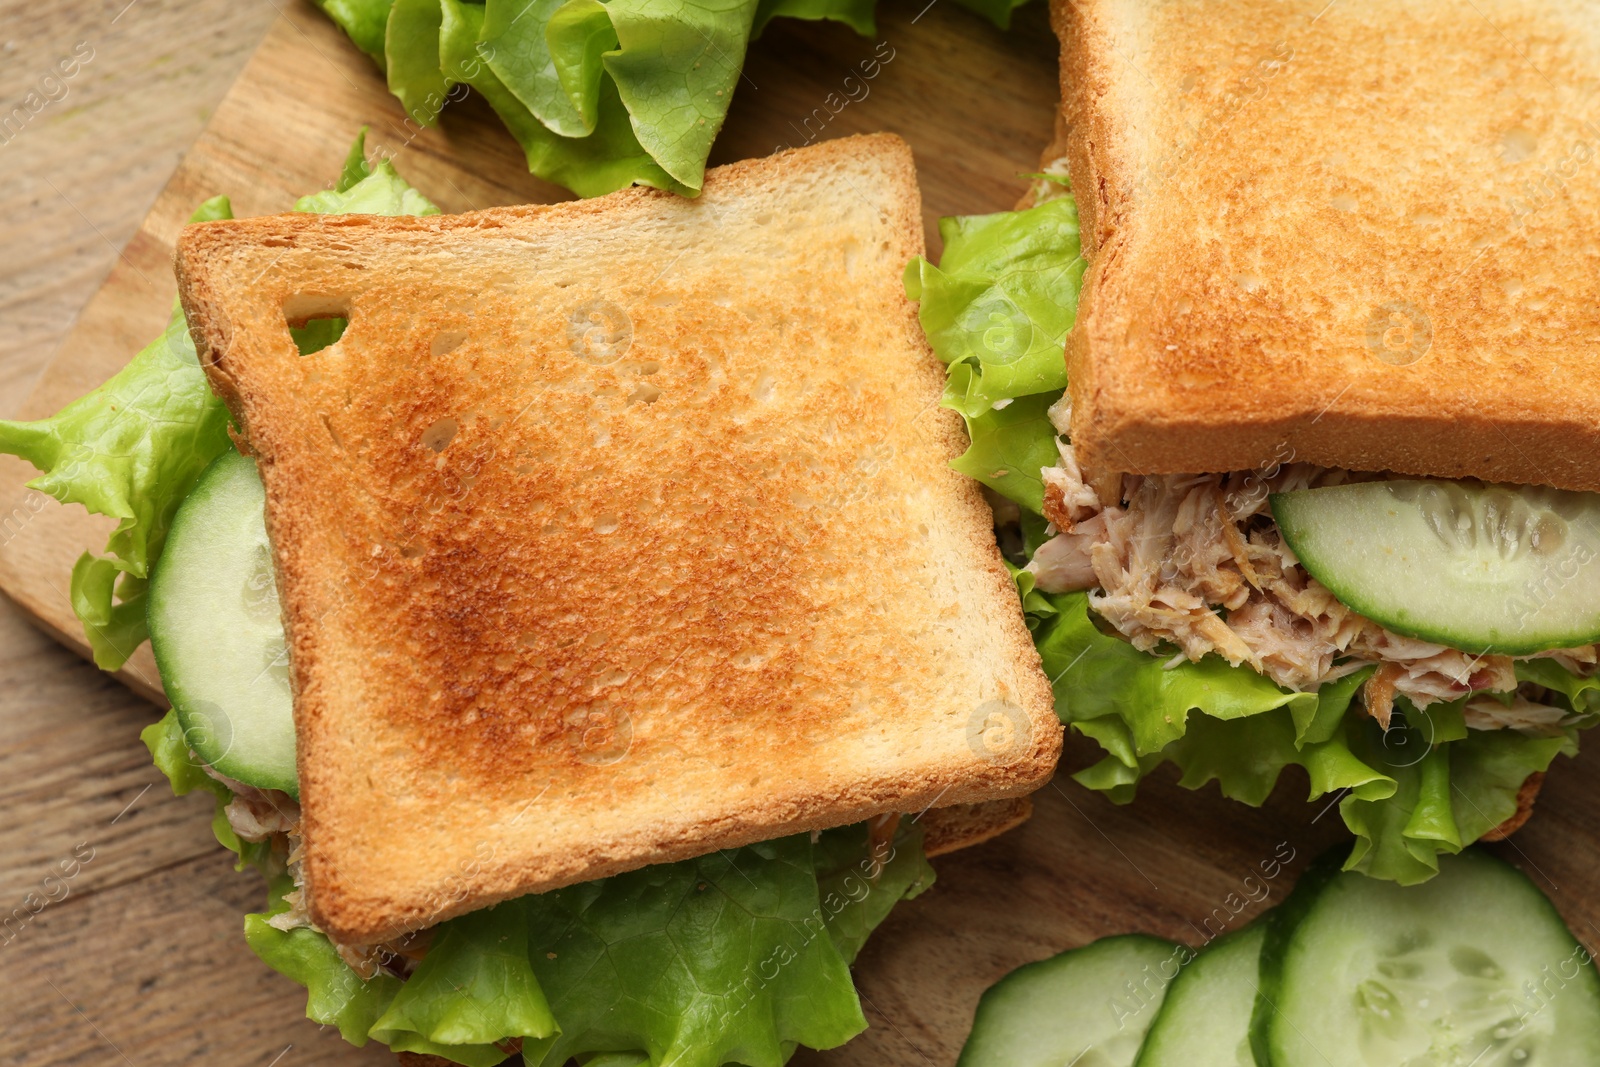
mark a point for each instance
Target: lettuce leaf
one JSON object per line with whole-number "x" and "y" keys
{"x": 673, "y": 67}
{"x": 716, "y": 960}
{"x": 1582, "y": 694}
{"x": 363, "y": 189}
{"x": 475, "y": 988}
{"x": 336, "y": 995}
{"x": 1010, "y": 445}
{"x": 1001, "y": 301}
{"x": 605, "y": 160}
{"x": 520, "y": 40}
{"x": 133, "y": 448}
{"x": 1427, "y": 785}
{"x": 1097, "y": 676}
{"x": 676, "y": 65}
{"x": 858, "y": 886}
{"x": 997, "y": 310}
{"x": 365, "y": 22}
{"x": 857, "y": 14}
{"x": 1446, "y": 796}
{"x": 599, "y": 95}
{"x": 411, "y": 59}
{"x": 736, "y": 957}
{"x": 186, "y": 773}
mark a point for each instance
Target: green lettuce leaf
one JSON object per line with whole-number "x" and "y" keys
{"x": 676, "y": 66}
{"x": 608, "y": 159}
{"x": 1427, "y": 785}
{"x": 475, "y": 987}
{"x": 411, "y": 59}
{"x": 111, "y": 605}
{"x": 363, "y": 189}
{"x": 1446, "y": 796}
{"x": 1583, "y": 694}
{"x": 170, "y": 751}
{"x": 722, "y": 959}
{"x": 478, "y": 986}
{"x": 1001, "y": 301}
{"x": 598, "y": 94}
{"x": 857, "y": 14}
{"x": 521, "y": 39}
{"x": 1036, "y": 606}
{"x": 365, "y": 22}
{"x": 857, "y": 887}
{"x": 579, "y": 37}
{"x": 131, "y": 449}
{"x": 1095, "y": 676}
{"x": 736, "y": 957}
{"x": 1010, "y": 445}
{"x": 335, "y": 994}
{"x": 997, "y": 310}
{"x": 356, "y": 167}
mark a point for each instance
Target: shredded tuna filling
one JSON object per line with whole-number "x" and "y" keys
{"x": 270, "y": 815}
{"x": 1196, "y": 562}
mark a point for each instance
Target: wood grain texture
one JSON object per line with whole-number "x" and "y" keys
{"x": 81, "y": 164}
{"x": 142, "y": 962}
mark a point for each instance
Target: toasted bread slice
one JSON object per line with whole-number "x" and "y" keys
{"x": 950, "y": 829}
{"x": 1361, "y": 235}
{"x": 614, "y": 532}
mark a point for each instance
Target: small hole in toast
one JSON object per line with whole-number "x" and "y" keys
{"x": 445, "y": 342}
{"x": 440, "y": 434}
{"x": 337, "y": 441}
{"x": 315, "y": 321}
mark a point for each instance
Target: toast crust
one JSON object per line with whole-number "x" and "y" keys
{"x": 947, "y": 830}
{"x": 1358, "y": 235}
{"x": 614, "y": 532}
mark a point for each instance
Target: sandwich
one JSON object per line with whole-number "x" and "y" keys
{"x": 570, "y": 607}
{"x": 1279, "y": 380}
{"x": 596, "y": 94}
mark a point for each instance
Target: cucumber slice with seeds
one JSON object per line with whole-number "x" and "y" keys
{"x": 1205, "y": 1020}
{"x": 1089, "y": 1007}
{"x": 1485, "y": 568}
{"x": 216, "y": 631}
{"x": 1472, "y": 968}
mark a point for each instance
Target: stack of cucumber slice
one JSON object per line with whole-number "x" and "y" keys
{"x": 1472, "y": 969}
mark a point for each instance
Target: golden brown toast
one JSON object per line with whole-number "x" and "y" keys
{"x": 1361, "y": 235}
{"x": 615, "y": 532}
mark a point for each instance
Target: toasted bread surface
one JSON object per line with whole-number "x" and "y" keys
{"x": 614, "y": 532}
{"x": 1361, "y": 235}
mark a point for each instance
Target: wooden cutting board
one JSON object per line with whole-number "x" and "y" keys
{"x": 143, "y": 959}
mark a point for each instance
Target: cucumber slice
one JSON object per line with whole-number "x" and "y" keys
{"x": 1474, "y": 967}
{"x": 216, "y": 632}
{"x": 1205, "y": 1020}
{"x": 1486, "y": 568}
{"x": 1089, "y": 1007}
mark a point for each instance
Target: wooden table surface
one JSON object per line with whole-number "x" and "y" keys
{"x": 141, "y": 961}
